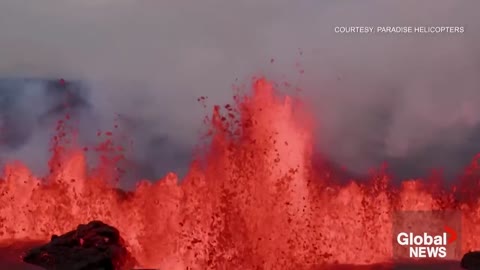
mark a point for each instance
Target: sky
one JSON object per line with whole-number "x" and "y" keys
{"x": 408, "y": 99}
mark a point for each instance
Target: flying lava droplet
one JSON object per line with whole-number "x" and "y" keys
{"x": 251, "y": 204}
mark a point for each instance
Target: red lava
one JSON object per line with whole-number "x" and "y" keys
{"x": 257, "y": 203}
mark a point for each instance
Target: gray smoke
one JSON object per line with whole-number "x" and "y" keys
{"x": 408, "y": 99}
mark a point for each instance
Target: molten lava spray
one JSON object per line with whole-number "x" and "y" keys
{"x": 257, "y": 203}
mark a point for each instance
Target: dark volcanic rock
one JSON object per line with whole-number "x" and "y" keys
{"x": 471, "y": 260}
{"x": 94, "y": 246}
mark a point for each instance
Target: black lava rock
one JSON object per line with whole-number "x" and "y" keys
{"x": 92, "y": 246}
{"x": 471, "y": 260}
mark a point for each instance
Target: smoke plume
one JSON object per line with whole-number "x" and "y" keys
{"x": 407, "y": 99}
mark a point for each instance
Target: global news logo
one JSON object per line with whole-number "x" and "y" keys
{"x": 426, "y": 245}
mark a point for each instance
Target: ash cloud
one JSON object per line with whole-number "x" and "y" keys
{"x": 408, "y": 99}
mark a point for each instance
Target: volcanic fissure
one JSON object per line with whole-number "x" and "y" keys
{"x": 255, "y": 202}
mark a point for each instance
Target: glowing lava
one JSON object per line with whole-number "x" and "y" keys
{"x": 256, "y": 204}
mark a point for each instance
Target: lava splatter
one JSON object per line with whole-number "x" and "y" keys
{"x": 257, "y": 203}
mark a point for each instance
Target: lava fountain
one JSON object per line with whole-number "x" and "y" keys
{"x": 255, "y": 203}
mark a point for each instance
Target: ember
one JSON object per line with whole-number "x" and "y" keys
{"x": 258, "y": 203}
